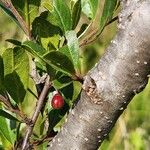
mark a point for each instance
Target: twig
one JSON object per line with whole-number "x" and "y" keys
{"x": 48, "y": 137}
{"x": 35, "y": 75}
{"x": 5, "y": 101}
{"x": 95, "y": 34}
{"x": 42, "y": 140}
{"x": 90, "y": 38}
{"x": 36, "y": 113}
{"x": 21, "y": 21}
{"x": 111, "y": 21}
{"x": 14, "y": 109}
{"x": 27, "y": 16}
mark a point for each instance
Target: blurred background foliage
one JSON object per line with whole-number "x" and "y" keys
{"x": 132, "y": 131}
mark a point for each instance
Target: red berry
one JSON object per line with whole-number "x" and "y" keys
{"x": 57, "y": 101}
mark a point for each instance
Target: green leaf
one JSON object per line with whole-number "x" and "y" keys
{"x": 137, "y": 139}
{"x": 43, "y": 28}
{"x": 89, "y": 8}
{"x": 18, "y": 131}
{"x": 61, "y": 82}
{"x": 51, "y": 43}
{"x": 16, "y": 72}
{"x": 51, "y": 71}
{"x": 68, "y": 95}
{"x": 42, "y": 146}
{"x": 76, "y": 13}
{"x": 34, "y": 48}
{"x": 77, "y": 86}
{"x": 15, "y": 42}
{"x": 73, "y": 46}
{"x": 53, "y": 118}
{"x": 108, "y": 11}
{"x": 56, "y": 116}
{"x": 59, "y": 125}
{"x": 30, "y": 98}
{"x": 15, "y": 87}
{"x": 65, "y": 51}
{"x": 7, "y": 115}
{"x": 1, "y": 73}
{"x": 28, "y": 9}
{"x": 82, "y": 29}
{"x": 2, "y": 146}
{"x": 55, "y": 59}
{"x": 5, "y": 143}
{"x": 60, "y": 62}
{"x": 33, "y": 8}
{"x": 47, "y": 4}
{"x": 60, "y": 15}
{"x": 42, "y": 126}
{"x": 74, "y": 90}
{"x": 4, "y": 130}
{"x": 94, "y": 7}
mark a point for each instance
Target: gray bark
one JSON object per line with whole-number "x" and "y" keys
{"x": 108, "y": 88}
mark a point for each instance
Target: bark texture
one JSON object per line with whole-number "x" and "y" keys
{"x": 111, "y": 84}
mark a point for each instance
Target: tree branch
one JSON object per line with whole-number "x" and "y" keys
{"x": 111, "y": 84}
{"x": 36, "y": 113}
{"x": 8, "y": 4}
{"x": 15, "y": 110}
{"x": 95, "y": 34}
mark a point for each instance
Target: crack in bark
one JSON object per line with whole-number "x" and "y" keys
{"x": 90, "y": 88}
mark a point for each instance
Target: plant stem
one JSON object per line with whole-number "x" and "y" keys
{"x": 36, "y": 113}
{"x": 27, "y": 16}
{"x": 15, "y": 110}
{"x": 8, "y": 4}
{"x": 95, "y": 34}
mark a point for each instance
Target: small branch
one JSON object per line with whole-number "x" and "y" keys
{"x": 111, "y": 21}
{"x": 21, "y": 21}
{"x": 95, "y": 34}
{"x": 48, "y": 137}
{"x": 27, "y": 17}
{"x": 36, "y": 113}
{"x": 15, "y": 110}
{"x": 42, "y": 140}
{"x": 87, "y": 28}
{"x": 90, "y": 38}
{"x": 5, "y": 101}
{"x": 35, "y": 75}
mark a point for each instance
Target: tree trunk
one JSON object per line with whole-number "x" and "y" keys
{"x": 108, "y": 88}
